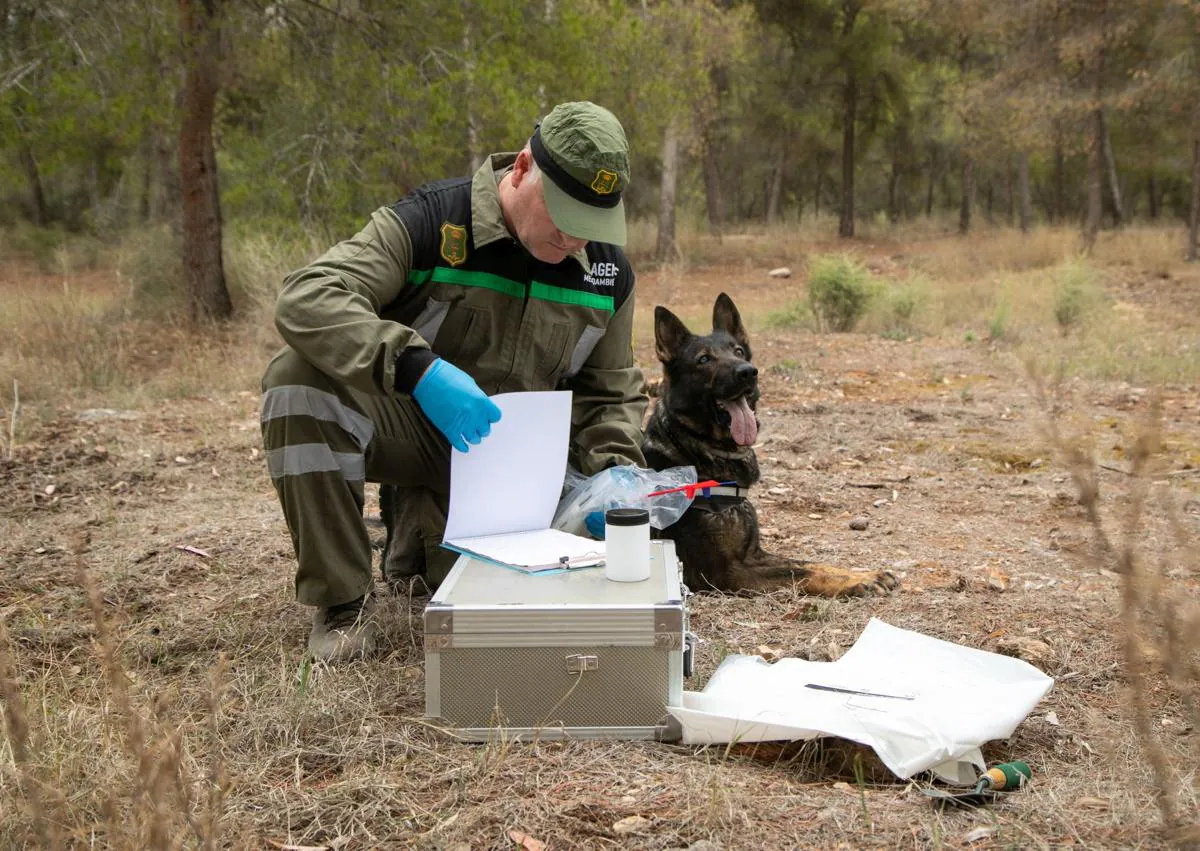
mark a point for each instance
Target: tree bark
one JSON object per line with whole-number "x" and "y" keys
{"x": 1060, "y": 179}
{"x": 666, "y": 249}
{"x": 1110, "y": 164}
{"x": 1026, "y": 203}
{"x": 1010, "y": 195}
{"x": 775, "y": 193}
{"x": 968, "y": 196}
{"x": 1194, "y": 224}
{"x": 893, "y": 205}
{"x": 203, "y": 268}
{"x": 1095, "y": 197}
{"x": 849, "y": 117}
{"x": 33, "y": 176}
{"x": 932, "y": 181}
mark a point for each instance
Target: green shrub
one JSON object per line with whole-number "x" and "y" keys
{"x": 1074, "y": 295}
{"x": 839, "y": 292}
{"x": 797, "y": 314}
{"x": 998, "y": 322}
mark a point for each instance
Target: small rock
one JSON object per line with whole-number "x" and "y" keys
{"x": 631, "y": 824}
{"x": 781, "y": 272}
{"x": 879, "y": 503}
{"x": 1052, "y": 719}
{"x": 860, "y": 523}
{"x": 1032, "y": 650}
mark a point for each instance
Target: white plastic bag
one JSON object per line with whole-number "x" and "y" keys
{"x": 623, "y": 487}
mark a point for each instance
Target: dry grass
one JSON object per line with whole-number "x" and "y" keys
{"x": 1160, "y": 620}
{"x": 153, "y": 697}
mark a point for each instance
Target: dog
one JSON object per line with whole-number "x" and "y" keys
{"x": 705, "y": 417}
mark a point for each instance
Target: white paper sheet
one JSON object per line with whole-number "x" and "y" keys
{"x": 919, "y": 702}
{"x": 512, "y": 480}
{"x": 503, "y": 492}
{"x": 534, "y": 550}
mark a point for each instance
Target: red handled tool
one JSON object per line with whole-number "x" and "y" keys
{"x": 690, "y": 490}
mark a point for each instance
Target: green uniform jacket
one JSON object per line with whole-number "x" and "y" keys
{"x": 438, "y": 274}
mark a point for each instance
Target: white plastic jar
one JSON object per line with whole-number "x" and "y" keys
{"x": 627, "y": 544}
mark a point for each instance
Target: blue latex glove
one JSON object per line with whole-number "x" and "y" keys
{"x": 595, "y": 524}
{"x": 455, "y": 404}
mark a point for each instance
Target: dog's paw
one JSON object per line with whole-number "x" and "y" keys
{"x": 825, "y": 580}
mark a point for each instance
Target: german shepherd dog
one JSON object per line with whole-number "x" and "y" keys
{"x": 705, "y": 417}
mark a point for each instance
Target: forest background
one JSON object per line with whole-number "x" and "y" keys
{"x": 218, "y": 118}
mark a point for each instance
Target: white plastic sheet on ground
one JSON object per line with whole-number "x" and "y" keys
{"x": 920, "y": 703}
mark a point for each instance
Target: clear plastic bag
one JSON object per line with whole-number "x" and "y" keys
{"x": 623, "y": 487}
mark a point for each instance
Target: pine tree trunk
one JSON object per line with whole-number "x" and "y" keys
{"x": 991, "y": 201}
{"x": 1194, "y": 224}
{"x": 968, "y": 196}
{"x": 1010, "y": 211}
{"x": 33, "y": 176}
{"x": 775, "y": 193}
{"x": 893, "y": 205}
{"x": 1152, "y": 196}
{"x": 666, "y": 249}
{"x": 203, "y": 268}
{"x": 1060, "y": 180}
{"x": 849, "y": 117}
{"x": 714, "y": 139}
{"x": 817, "y": 190}
{"x": 1110, "y": 164}
{"x": 474, "y": 154}
{"x": 932, "y": 182}
{"x": 1095, "y": 197}
{"x": 1023, "y": 188}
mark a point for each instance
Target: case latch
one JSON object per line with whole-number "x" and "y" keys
{"x": 578, "y": 663}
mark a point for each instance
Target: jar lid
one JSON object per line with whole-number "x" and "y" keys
{"x": 627, "y": 517}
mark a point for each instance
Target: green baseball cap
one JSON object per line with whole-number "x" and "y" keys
{"x": 584, "y": 157}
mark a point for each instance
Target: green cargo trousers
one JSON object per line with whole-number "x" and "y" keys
{"x": 323, "y": 442}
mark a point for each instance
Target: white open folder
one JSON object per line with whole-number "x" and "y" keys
{"x": 504, "y": 491}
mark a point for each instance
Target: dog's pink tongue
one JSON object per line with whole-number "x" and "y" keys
{"x": 742, "y": 422}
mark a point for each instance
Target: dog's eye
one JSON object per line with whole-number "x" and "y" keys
{"x": 739, "y": 351}
{"x": 703, "y": 359}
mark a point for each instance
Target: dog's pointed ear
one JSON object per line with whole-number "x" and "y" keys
{"x": 669, "y": 334}
{"x": 726, "y": 318}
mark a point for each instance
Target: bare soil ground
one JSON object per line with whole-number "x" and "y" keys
{"x": 936, "y": 441}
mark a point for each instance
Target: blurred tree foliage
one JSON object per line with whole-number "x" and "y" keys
{"x": 740, "y": 110}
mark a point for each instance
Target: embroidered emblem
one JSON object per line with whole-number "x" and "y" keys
{"x": 454, "y": 244}
{"x": 605, "y": 182}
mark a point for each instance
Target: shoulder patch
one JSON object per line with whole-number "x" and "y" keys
{"x": 454, "y": 244}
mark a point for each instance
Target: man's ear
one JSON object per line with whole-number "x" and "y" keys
{"x": 670, "y": 334}
{"x": 726, "y": 318}
{"x": 520, "y": 169}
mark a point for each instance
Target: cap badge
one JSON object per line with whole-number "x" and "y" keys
{"x": 606, "y": 182}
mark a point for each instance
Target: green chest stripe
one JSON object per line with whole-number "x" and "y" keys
{"x": 486, "y": 280}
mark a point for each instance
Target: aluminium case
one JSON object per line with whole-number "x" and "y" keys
{"x": 564, "y": 655}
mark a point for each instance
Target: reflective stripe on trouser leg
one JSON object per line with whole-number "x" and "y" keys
{"x": 315, "y": 444}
